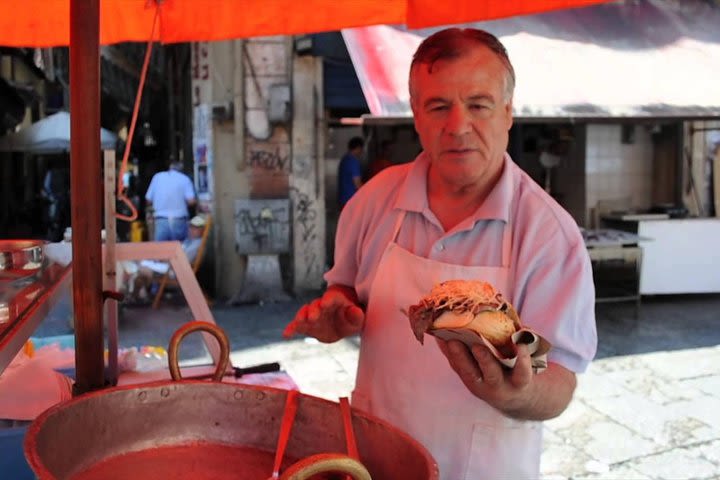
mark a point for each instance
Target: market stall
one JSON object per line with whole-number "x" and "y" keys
{"x": 42, "y": 24}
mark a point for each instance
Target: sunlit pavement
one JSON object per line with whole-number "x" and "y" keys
{"x": 648, "y": 407}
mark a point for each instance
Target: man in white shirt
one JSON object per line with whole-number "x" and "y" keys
{"x": 170, "y": 194}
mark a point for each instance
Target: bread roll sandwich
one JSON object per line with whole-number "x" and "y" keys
{"x": 467, "y": 305}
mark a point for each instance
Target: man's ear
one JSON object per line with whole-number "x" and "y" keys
{"x": 413, "y": 109}
{"x": 509, "y": 113}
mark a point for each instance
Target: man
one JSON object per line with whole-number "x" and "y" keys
{"x": 350, "y": 171}
{"x": 461, "y": 210}
{"x": 139, "y": 277}
{"x": 170, "y": 194}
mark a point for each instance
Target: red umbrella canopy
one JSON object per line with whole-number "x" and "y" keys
{"x": 45, "y": 23}
{"x": 48, "y": 23}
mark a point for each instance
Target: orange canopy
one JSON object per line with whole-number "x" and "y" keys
{"x": 45, "y": 23}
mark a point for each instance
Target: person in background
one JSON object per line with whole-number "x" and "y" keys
{"x": 139, "y": 276}
{"x": 461, "y": 210}
{"x": 382, "y": 160}
{"x": 350, "y": 171}
{"x": 170, "y": 194}
{"x": 56, "y": 190}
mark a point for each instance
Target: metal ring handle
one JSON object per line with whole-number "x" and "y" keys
{"x": 324, "y": 463}
{"x": 191, "y": 327}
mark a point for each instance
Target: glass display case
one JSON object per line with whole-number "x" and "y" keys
{"x": 26, "y": 301}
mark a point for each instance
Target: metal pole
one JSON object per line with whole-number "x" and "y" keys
{"x": 86, "y": 196}
{"x": 110, "y": 281}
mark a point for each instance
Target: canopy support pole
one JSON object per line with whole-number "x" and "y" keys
{"x": 86, "y": 196}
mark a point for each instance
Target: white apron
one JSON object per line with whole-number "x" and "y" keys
{"x": 413, "y": 387}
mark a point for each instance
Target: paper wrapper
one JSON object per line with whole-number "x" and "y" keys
{"x": 537, "y": 345}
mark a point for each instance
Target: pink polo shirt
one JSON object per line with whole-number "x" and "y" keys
{"x": 550, "y": 269}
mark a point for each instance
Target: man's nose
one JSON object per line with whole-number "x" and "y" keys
{"x": 458, "y": 121}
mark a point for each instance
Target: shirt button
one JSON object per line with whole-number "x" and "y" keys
{"x": 440, "y": 247}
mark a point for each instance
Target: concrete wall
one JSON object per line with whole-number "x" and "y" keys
{"x": 221, "y": 87}
{"x": 307, "y": 188}
{"x": 267, "y": 148}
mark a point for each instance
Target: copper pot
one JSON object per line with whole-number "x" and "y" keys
{"x": 198, "y": 429}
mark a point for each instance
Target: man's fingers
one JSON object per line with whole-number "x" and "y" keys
{"x": 314, "y": 310}
{"x": 290, "y": 329}
{"x": 301, "y": 314}
{"x": 295, "y": 325}
{"x": 349, "y": 320}
{"x": 522, "y": 372}
{"x": 354, "y": 315}
{"x": 332, "y": 300}
{"x": 489, "y": 366}
{"x": 462, "y": 361}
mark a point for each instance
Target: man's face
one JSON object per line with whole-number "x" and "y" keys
{"x": 195, "y": 232}
{"x": 462, "y": 115}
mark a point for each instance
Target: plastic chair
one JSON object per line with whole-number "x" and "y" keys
{"x": 169, "y": 280}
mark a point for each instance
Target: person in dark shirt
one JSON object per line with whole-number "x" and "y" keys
{"x": 350, "y": 171}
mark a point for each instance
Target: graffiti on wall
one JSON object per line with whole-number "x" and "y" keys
{"x": 303, "y": 166}
{"x": 269, "y": 169}
{"x": 305, "y": 212}
{"x": 273, "y": 158}
{"x": 262, "y": 226}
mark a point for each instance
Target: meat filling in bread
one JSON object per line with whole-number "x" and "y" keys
{"x": 466, "y": 304}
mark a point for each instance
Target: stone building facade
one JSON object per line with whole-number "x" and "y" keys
{"x": 258, "y": 142}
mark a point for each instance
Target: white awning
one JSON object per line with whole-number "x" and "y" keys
{"x": 647, "y": 59}
{"x": 49, "y": 135}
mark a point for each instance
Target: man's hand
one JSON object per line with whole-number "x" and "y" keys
{"x": 329, "y": 318}
{"x": 517, "y": 392}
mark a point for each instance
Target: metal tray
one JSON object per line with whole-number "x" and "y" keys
{"x": 21, "y": 258}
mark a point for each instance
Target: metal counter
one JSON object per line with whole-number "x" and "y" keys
{"x": 616, "y": 258}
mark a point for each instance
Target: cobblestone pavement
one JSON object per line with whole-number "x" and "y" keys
{"x": 648, "y": 407}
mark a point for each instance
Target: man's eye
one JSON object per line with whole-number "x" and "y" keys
{"x": 438, "y": 108}
{"x": 478, "y": 106}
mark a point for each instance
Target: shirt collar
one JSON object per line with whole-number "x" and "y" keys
{"x": 413, "y": 191}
